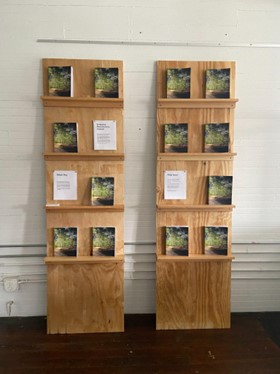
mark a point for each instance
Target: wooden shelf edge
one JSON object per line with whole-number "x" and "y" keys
{"x": 82, "y": 102}
{"x": 195, "y": 258}
{"x": 112, "y": 208}
{"x": 196, "y": 103}
{"x": 195, "y": 156}
{"x": 195, "y": 207}
{"x": 52, "y": 260}
{"x": 53, "y": 156}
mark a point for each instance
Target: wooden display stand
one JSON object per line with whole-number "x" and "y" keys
{"x": 85, "y": 293}
{"x": 193, "y": 291}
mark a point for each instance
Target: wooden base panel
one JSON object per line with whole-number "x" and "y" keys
{"x": 85, "y": 298}
{"x": 193, "y": 295}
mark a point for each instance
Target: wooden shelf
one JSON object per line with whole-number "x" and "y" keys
{"x": 64, "y": 260}
{"x": 81, "y": 102}
{"x": 111, "y": 208}
{"x": 194, "y": 258}
{"x": 54, "y": 156}
{"x": 182, "y": 208}
{"x": 195, "y": 156}
{"x": 197, "y": 103}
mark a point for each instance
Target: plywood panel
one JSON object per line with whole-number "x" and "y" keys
{"x": 83, "y": 74}
{"x": 197, "y": 179}
{"x": 84, "y": 117}
{"x": 193, "y": 295}
{"x": 196, "y": 221}
{"x": 84, "y": 221}
{"x": 196, "y": 120}
{"x": 86, "y": 170}
{"x": 85, "y": 298}
{"x": 198, "y": 69}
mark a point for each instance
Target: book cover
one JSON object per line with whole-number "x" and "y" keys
{"x": 60, "y": 80}
{"x": 216, "y": 137}
{"x": 65, "y": 185}
{"x": 65, "y": 137}
{"x": 106, "y": 82}
{"x": 176, "y": 241}
{"x": 102, "y": 191}
{"x": 220, "y": 190}
{"x": 215, "y": 240}
{"x": 217, "y": 83}
{"x": 65, "y": 241}
{"x": 176, "y": 137}
{"x": 103, "y": 241}
{"x": 179, "y": 83}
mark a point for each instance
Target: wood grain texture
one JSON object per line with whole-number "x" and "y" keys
{"x": 85, "y": 298}
{"x": 86, "y": 170}
{"x": 196, "y": 221}
{"x": 84, "y": 117}
{"x": 193, "y": 295}
{"x": 198, "y": 69}
{"x": 84, "y": 221}
{"x": 83, "y": 74}
{"x": 197, "y": 179}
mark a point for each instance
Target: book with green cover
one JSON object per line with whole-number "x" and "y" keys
{"x": 65, "y": 137}
{"x": 176, "y": 138}
{"x": 216, "y": 240}
{"x": 220, "y": 190}
{"x": 106, "y": 82}
{"x": 178, "y": 83}
{"x": 216, "y": 137}
{"x": 65, "y": 241}
{"x": 176, "y": 240}
{"x": 217, "y": 83}
{"x": 103, "y": 241}
{"x": 102, "y": 191}
{"x": 60, "y": 80}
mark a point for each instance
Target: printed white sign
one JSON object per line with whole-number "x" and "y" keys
{"x": 104, "y": 135}
{"x": 64, "y": 185}
{"x": 175, "y": 185}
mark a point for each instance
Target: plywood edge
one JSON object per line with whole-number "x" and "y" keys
{"x": 195, "y": 156}
{"x": 194, "y": 258}
{"x": 89, "y": 156}
{"x": 215, "y": 208}
{"x": 196, "y": 103}
{"x": 81, "y": 102}
{"x": 83, "y": 260}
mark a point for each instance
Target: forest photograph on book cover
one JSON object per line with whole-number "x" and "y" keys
{"x": 65, "y": 137}
{"x": 65, "y": 241}
{"x": 103, "y": 241}
{"x": 107, "y": 82}
{"x": 176, "y": 137}
{"x": 176, "y": 241}
{"x": 102, "y": 191}
{"x": 216, "y": 137}
{"x": 215, "y": 240}
{"x": 60, "y": 81}
{"x": 178, "y": 83}
{"x": 220, "y": 190}
{"x": 217, "y": 83}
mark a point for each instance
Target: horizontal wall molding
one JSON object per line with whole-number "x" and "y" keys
{"x": 161, "y": 43}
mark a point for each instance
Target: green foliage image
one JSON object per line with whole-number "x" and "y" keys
{"x": 216, "y": 137}
{"x": 178, "y": 83}
{"x": 65, "y": 137}
{"x": 217, "y": 83}
{"x": 216, "y": 240}
{"x": 176, "y": 137}
{"x": 106, "y": 82}
{"x": 59, "y": 78}
{"x": 176, "y": 240}
{"x": 65, "y": 241}
{"x": 102, "y": 191}
{"x": 103, "y": 241}
{"x": 220, "y": 190}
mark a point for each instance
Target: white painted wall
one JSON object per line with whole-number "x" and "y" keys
{"x": 256, "y": 223}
